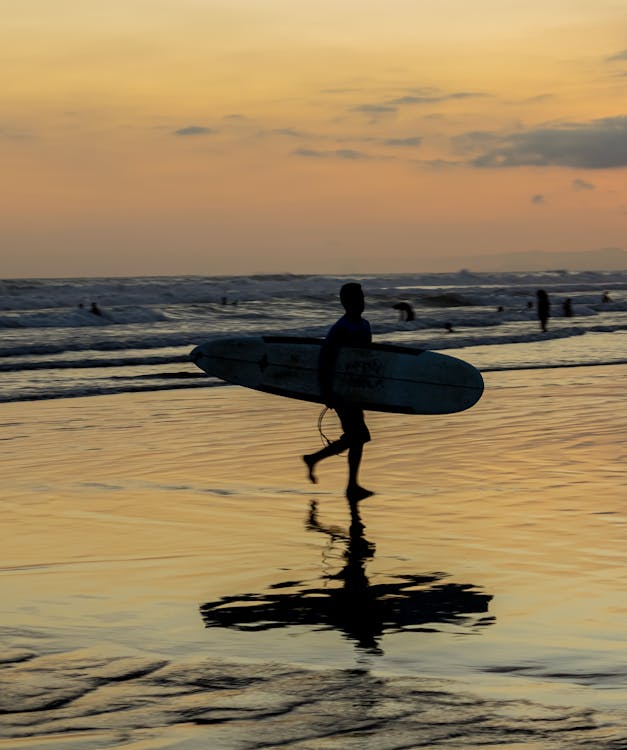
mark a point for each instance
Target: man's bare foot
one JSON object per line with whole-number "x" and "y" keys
{"x": 356, "y": 493}
{"x": 310, "y": 465}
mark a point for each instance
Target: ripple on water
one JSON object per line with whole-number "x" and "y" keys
{"x": 96, "y": 701}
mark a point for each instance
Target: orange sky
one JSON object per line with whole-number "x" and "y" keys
{"x": 192, "y": 136}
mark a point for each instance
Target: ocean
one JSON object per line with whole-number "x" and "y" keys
{"x": 53, "y": 346}
{"x": 173, "y": 581}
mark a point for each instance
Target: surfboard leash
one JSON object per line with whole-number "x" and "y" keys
{"x": 324, "y": 438}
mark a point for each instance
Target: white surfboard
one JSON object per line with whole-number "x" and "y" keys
{"x": 378, "y": 377}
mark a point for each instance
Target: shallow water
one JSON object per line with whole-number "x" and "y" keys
{"x": 85, "y": 700}
{"x": 170, "y": 580}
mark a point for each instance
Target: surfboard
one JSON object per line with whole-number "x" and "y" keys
{"x": 377, "y": 377}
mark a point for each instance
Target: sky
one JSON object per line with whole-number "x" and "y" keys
{"x": 265, "y": 136}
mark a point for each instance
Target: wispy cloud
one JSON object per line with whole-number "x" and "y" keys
{"x": 374, "y": 109}
{"x": 291, "y": 133}
{"x": 579, "y": 184}
{"x": 414, "y": 97}
{"x": 474, "y": 140}
{"x": 599, "y": 144}
{"x": 195, "y": 130}
{"x": 441, "y": 163}
{"x": 340, "y": 90}
{"x": 537, "y": 199}
{"x": 403, "y": 142}
{"x": 237, "y": 117}
{"x": 15, "y": 134}
{"x": 341, "y": 153}
{"x": 618, "y": 57}
{"x": 538, "y": 99}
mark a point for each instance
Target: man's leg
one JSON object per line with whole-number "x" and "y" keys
{"x": 354, "y": 491}
{"x": 355, "y": 453}
{"x": 355, "y": 435}
{"x": 311, "y": 459}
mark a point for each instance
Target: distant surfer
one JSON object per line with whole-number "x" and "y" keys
{"x": 405, "y": 310}
{"x": 95, "y": 309}
{"x": 606, "y": 297}
{"x": 543, "y": 308}
{"x": 567, "y": 308}
{"x": 350, "y": 330}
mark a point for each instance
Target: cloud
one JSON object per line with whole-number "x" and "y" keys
{"x": 441, "y": 163}
{"x": 599, "y": 144}
{"x": 289, "y": 133}
{"x": 583, "y": 185}
{"x": 474, "y": 140}
{"x": 413, "y": 98}
{"x": 194, "y": 130}
{"x": 403, "y": 142}
{"x": 538, "y": 99}
{"x": 310, "y": 153}
{"x": 345, "y": 90}
{"x": 433, "y": 98}
{"x": 537, "y": 199}
{"x": 342, "y": 153}
{"x": 349, "y": 153}
{"x": 374, "y": 109}
{"x": 14, "y": 134}
{"x": 618, "y": 57}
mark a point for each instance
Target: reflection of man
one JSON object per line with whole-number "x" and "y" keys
{"x": 350, "y": 330}
{"x": 360, "y": 610}
{"x": 355, "y": 606}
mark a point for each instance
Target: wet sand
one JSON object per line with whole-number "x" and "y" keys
{"x": 171, "y": 579}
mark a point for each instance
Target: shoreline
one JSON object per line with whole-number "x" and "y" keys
{"x": 460, "y": 353}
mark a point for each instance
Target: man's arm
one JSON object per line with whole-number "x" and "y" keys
{"x": 326, "y": 365}
{"x": 340, "y": 335}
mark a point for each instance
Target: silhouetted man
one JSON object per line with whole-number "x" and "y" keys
{"x": 544, "y": 308}
{"x": 567, "y": 308}
{"x": 405, "y": 310}
{"x": 350, "y": 330}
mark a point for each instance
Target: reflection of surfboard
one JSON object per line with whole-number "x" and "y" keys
{"x": 378, "y": 377}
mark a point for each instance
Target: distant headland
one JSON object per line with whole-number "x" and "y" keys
{"x": 603, "y": 259}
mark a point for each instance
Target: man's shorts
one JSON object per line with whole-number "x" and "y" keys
{"x": 355, "y": 430}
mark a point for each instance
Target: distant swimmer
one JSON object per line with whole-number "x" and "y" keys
{"x": 449, "y": 328}
{"x": 606, "y": 297}
{"x": 350, "y": 330}
{"x": 543, "y": 308}
{"x": 95, "y": 309}
{"x": 406, "y": 311}
{"x": 567, "y": 308}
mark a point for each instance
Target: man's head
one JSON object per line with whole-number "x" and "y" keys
{"x": 352, "y": 298}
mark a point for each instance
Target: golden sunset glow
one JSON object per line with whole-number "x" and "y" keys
{"x": 193, "y": 136}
